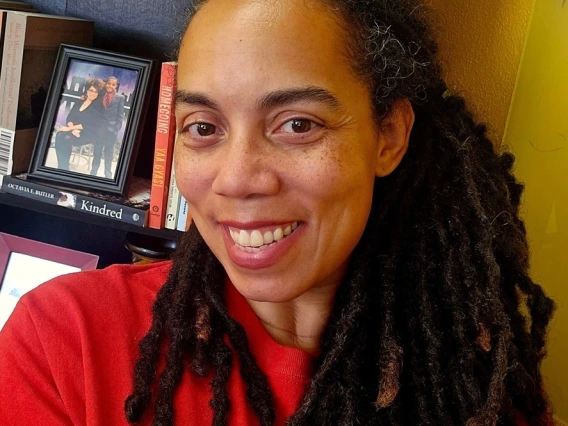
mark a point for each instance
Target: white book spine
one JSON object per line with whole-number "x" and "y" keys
{"x": 182, "y": 216}
{"x": 173, "y": 203}
{"x": 11, "y": 73}
{"x": 12, "y": 58}
{"x": 6, "y": 150}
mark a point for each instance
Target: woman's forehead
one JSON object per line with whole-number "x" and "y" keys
{"x": 292, "y": 43}
{"x": 304, "y": 24}
{"x": 261, "y": 11}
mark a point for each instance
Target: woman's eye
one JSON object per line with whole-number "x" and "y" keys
{"x": 202, "y": 129}
{"x": 298, "y": 126}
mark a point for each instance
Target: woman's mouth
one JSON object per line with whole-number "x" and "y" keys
{"x": 261, "y": 239}
{"x": 259, "y": 247}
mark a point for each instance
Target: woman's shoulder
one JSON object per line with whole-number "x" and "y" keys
{"x": 110, "y": 279}
{"x": 100, "y": 307}
{"x": 72, "y": 342}
{"x": 109, "y": 291}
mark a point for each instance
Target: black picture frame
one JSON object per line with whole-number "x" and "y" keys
{"x": 97, "y": 139}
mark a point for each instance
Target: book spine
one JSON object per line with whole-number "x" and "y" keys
{"x": 6, "y": 152}
{"x": 33, "y": 191}
{"x": 100, "y": 207}
{"x": 64, "y": 198}
{"x": 163, "y": 152}
{"x": 173, "y": 202}
{"x": 2, "y": 32}
{"x": 182, "y": 214}
{"x": 13, "y": 53}
{"x": 14, "y": 26}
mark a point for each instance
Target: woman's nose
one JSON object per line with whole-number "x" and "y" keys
{"x": 246, "y": 169}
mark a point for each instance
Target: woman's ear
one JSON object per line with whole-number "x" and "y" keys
{"x": 394, "y": 134}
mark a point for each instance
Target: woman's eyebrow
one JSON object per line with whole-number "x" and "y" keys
{"x": 194, "y": 98}
{"x": 271, "y": 100}
{"x": 289, "y": 96}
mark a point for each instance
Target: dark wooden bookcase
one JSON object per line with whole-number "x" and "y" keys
{"x": 145, "y": 28}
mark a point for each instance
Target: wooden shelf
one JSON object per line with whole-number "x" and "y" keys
{"x": 64, "y": 212}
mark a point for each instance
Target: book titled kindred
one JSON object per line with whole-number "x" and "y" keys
{"x": 133, "y": 210}
{"x": 103, "y": 210}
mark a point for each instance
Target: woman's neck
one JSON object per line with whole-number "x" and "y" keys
{"x": 300, "y": 322}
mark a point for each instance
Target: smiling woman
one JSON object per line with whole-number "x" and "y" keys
{"x": 357, "y": 255}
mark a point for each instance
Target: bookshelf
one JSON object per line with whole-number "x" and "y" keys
{"x": 138, "y": 27}
{"x": 62, "y": 212}
{"x": 75, "y": 230}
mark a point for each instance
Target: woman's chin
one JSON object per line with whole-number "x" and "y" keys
{"x": 267, "y": 290}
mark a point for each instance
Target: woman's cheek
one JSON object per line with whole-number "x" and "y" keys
{"x": 327, "y": 170}
{"x": 192, "y": 175}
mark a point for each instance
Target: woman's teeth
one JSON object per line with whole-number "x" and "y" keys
{"x": 256, "y": 240}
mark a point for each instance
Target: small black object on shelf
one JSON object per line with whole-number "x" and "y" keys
{"x": 151, "y": 248}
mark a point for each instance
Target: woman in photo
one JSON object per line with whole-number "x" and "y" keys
{"x": 83, "y": 125}
{"x": 356, "y": 255}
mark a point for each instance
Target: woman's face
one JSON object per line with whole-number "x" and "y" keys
{"x": 92, "y": 93}
{"x": 276, "y": 137}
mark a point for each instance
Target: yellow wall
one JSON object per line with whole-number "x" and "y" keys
{"x": 480, "y": 46}
{"x": 537, "y": 133}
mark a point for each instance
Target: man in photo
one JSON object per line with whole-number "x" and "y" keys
{"x": 112, "y": 109}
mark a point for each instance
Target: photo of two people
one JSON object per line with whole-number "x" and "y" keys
{"x": 92, "y": 116}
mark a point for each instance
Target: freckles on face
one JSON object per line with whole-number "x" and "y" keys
{"x": 277, "y": 145}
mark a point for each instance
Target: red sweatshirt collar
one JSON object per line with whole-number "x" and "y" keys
{"x": 270, "y": 355}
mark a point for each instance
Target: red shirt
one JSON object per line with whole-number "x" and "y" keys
{"x": 68, "y": 351}
{"x": 67, "y": 354}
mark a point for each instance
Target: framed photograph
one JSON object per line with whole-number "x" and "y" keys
{"x": 92, "y": 121}
{"x": 25, "y": 264}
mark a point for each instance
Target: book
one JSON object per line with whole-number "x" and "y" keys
{"x": 2, "y": 29}
{"x": 174, "y": 198}
{"x": 5, "y": 6}
{"x": 31, "y": 43}
{"x": 182, "y": 214}
{"x": 132, "y": 209}
{"x": 164, "y": 149}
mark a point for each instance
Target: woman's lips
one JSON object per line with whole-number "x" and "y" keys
{"x": 263, "y": 255}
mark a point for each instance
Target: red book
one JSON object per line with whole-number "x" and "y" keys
{"x": 163, "y": 154}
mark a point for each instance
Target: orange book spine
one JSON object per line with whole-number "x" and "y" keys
{"x": 164, "y": 150}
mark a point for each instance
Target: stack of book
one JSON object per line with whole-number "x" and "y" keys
{"x": 168, "y": 208}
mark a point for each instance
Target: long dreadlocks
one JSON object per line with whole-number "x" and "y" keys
{"x": 427, "y": 326}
